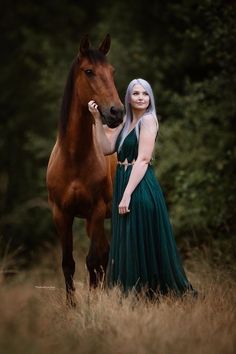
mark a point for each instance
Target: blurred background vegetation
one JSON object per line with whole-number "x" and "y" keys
{"x": 185, "y": 49}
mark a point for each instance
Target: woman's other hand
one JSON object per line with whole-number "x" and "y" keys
{"x": 124, "y": 204}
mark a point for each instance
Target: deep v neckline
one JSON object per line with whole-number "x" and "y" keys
{"x": 131, "y": 130}
{"x": 134, "y": 126}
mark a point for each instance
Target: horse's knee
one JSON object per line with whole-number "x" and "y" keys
{"x": 96, "y": 260}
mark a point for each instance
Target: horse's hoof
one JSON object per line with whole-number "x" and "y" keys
{"x": 71, "y": 304}
{"x": 70, "y": 301}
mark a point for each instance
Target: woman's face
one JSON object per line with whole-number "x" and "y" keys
{"x": 139, "y": 98}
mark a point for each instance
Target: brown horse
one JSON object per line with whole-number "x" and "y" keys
{"x": 79, "y": 176}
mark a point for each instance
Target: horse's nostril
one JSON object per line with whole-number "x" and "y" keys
{"x": 113, "y": 110}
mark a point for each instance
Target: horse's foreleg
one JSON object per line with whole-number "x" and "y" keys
{"x": 97, "y": 257}
{"x": 64, "y": 224}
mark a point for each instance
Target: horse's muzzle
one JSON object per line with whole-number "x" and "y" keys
{"x": 112, "y": 118}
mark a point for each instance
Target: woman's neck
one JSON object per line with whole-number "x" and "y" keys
{"x": 137, "y": 114}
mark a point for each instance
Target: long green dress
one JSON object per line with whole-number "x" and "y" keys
{"x": 143, "y": 253}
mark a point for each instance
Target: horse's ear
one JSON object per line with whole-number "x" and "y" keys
{"x": 84, "y": 44}
{"x": 105, "y": 45}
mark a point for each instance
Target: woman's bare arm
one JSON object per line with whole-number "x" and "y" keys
{"x": 105, "y": 136}
{"x": 147, "y": 138}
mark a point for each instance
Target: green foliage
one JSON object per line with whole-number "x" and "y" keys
{"x": 197, "y": 161}
{"x": 201, "y": 142}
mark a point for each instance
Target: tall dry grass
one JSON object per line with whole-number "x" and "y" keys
{"x": 35, "y": 319}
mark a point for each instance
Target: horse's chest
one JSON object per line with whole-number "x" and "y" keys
{"x": 78, "y": 197}
{"x": 78, "y": 188}
{"x": 82, "y": 195}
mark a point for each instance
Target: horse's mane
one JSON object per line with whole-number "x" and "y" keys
{"x": 94, "y": 56}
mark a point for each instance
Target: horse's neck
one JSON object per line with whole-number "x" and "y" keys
{"x": 79, "y": 136}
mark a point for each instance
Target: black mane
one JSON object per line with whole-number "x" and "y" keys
{"x": 94, "y": 56}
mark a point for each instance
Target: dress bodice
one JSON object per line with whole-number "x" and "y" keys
{"x": 129, "y": 148}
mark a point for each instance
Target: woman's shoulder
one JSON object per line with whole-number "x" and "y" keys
{"x": 149, "y": 121}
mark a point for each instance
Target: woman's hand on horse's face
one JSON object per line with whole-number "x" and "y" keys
{"x": 93, "y": 108}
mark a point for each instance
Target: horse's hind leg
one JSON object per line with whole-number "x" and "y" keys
{"x": 64, "y": 224}
{"x": 97, "y": 257}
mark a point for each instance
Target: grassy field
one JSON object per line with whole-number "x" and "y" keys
{"x": 34, "y": 318}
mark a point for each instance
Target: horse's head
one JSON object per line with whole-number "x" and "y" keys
{"x": 95, "y": 81}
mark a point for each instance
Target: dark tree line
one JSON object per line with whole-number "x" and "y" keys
{"x": 186, "y": 49}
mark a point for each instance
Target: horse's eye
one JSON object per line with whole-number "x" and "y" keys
{"x": 89, "y": 72}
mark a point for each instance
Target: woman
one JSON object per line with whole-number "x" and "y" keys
{"x": 143, "y": 254}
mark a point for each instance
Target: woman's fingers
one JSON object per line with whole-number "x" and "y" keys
{"x": 91, "y": 103}
{"x": 124, "y": 204}
{"x": 123, "y": 210}
{"x": 92, "y": 106}
{"x": 93, "y": 109}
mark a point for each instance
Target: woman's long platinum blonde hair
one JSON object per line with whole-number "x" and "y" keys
{"x": 129, "y": 115}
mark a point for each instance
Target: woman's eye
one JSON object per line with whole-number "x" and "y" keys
{"x": 89, "y": 72}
